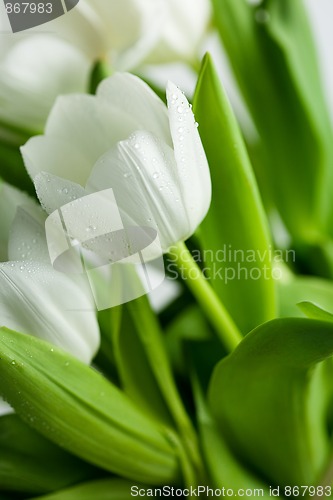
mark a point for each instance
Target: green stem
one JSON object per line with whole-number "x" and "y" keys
{"x": 100, "y": 71}
{"x": 206, "y": 297}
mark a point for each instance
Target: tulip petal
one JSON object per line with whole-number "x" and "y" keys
{"x": 190, "y": 157}
{"x": 5, "y": 408}
{"x": 185, "y": 24}
{"x": 135, "y": 98}
{"x": 143, "y": 174}
{"x": 10, "y": 199}
{"x": 40, "y": 67}
{"x": 27, "y": 235}
{"x": 58, "y": 156}
{"x": 37, "y": 300}
{"x": 54, "y": 192}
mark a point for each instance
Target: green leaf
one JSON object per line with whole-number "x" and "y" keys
{"x": 236, "y": 223}
{"x": 77, "y": 408}
{"x": 303, "y": 289}
{"x": 104, "y": 489}
{"x": 30, "y": 463}
{"x": 314, "y": 312}
{"x": 272, "y": 54}
{"x": 270, "y": 399}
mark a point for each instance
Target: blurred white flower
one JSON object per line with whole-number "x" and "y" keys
{"x": 34, "y": 70}
{"x": 125, "y": 138}
{"x": 37, "y": 300}
{"x": 185, "y": 25}
{"x": 129, "y": 32}
{"x": 124, "y": 31}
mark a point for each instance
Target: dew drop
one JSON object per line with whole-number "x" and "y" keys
{"x": 65, "y": 191}
{"x": 137, "y": 145}
{"x": 127, "y": 175}
{"x": 181, "y": 130}
{"x": 13, "y": 362}
{"x": 180, "y": 109}
{"x": 156, "y": 175}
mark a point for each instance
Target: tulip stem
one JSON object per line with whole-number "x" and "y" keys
{"x": 215, "y": 311}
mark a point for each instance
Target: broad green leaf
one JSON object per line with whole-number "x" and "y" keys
{"x": 270, "y": 399}
{"x": 103, "y": 489}
{"x": 271, "y": 51}
{"x": 223, "y": 467}
{"x": 77, "y": 408}
{"x": 234, "y": 234}
{"x": 31, "y": 464}
{"x": 303, "y": 289}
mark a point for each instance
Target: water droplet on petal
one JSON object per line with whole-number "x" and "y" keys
{"x": 180, "y": 109}
{"x": 156, "y": 175}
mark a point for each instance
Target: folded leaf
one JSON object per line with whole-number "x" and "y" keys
{"x": 74, "y": 406}
{"x": 270, "y": 399}
{"x": 32, "y": 464}
{"x": 315, "y": 312}
{"x": 235, "y": 230}
{"x": 303, "y": 289}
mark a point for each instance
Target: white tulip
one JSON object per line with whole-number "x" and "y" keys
{"x": 123, "y": 31}
{"x": 34, "y": 70}
{"x": 126, "y": 139}
{"x": 35, "y": 299}
{"x": 129, "y": 32}
{"x": 184, "y": 27}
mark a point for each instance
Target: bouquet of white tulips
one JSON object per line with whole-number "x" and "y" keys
{"x": 166, "y": 257}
